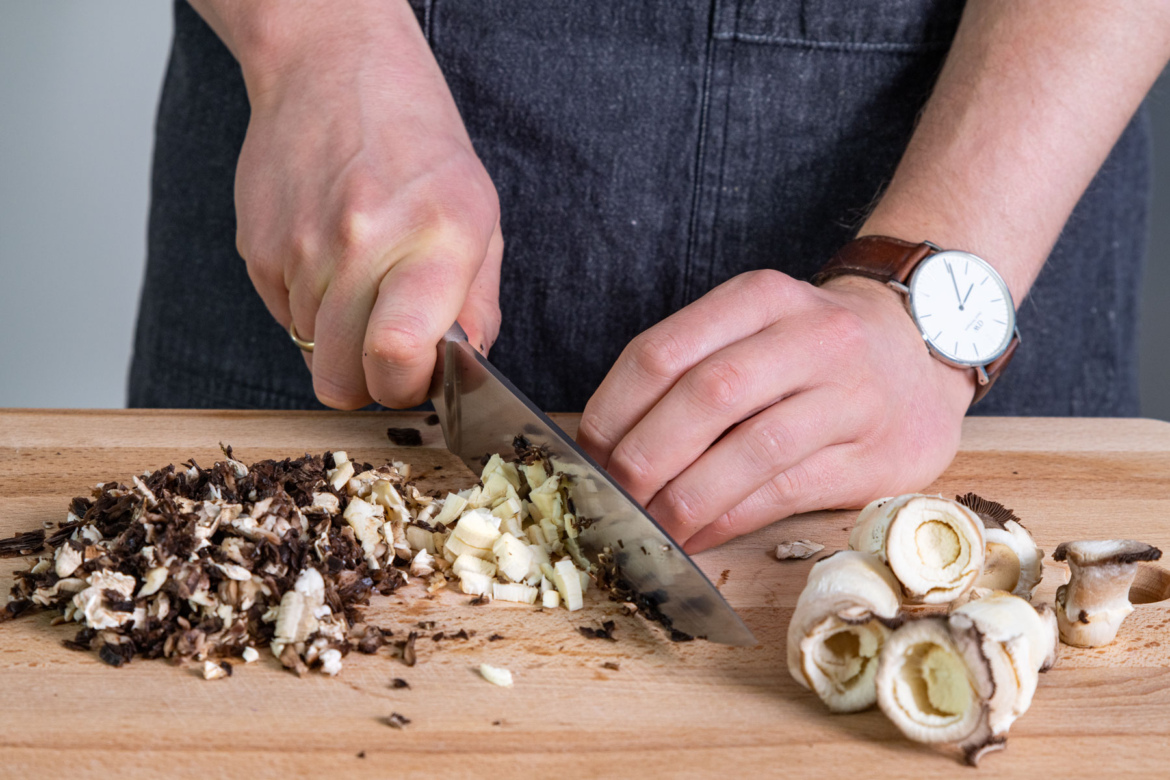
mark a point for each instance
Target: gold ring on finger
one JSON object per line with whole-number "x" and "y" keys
{"x": 307, "y": 346}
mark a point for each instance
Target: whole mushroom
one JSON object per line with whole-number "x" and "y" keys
{"x": 1091, "y": 607}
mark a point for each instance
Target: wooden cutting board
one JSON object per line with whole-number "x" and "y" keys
{"x": 669, "y": 710}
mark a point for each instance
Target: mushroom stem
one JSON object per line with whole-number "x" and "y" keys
{"x": 841, "y": 621}
{"x": 968, "y": 677}
{"x": 1012, "y": 560}
{"x": 934, "y": 546}
{"x": 1092, "y": 606}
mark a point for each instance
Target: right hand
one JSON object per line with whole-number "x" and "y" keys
{"x": 364, "y": 214}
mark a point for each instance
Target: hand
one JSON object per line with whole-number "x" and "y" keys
{"x": 364, "y": 215}
{"x": 769, "y": 397}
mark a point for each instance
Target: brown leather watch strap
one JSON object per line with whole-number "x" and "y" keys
{"x": 890, "y": 259}
{"x": 877, "y": 257}
{"x": 995, "y": 368}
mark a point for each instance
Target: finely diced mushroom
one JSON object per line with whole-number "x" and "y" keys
{"x": 496, "y": 675}
{"x": 514, "y": 591}
{"x": 513, "y": 557}
{"x": 331, "y": 662}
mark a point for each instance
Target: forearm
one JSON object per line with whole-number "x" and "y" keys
{"x": 1031, "y": 99}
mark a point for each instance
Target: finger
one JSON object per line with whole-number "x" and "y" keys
{"x": 272, "y": 291}
{"x": 654, "y": 361}
{"x": 834, "y": 477}
{"x": 340, "y": 326}
{"x": 722, "y": 390}
{"x": 480, "y": 315}
{"x": 418, "y": 301}
{"x": 755, "y": 451}
{"x": 304, "y": 301}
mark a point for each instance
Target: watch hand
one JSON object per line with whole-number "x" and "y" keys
{"x": 965, "y": 297}
{"x": 951, "y": 271}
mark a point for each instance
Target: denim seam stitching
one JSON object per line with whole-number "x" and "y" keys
{"x": 700, "y": 152}
{"x": 892, "y": 47}
{"x": 718, "y": 194}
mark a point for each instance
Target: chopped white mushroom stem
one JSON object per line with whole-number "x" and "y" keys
{"x": 423, "y": 564}
{"x": 215, "y": 671}
{"x": 934, "y": 546}
{"x": 567, "y": 580}
{"x": 798, "y": 550}
{"x": 330, "y": 661}
{"x": 1092, "y": 606}
{"x": 968, "y": 677}
{"x": 514, "y": 591}
{"x": 496, "y": 675}
{"x": 475, "y": 583}
{"x": 841, "y": 622}
{"x": 250, "y": 655}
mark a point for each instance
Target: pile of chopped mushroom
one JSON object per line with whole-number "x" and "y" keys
{"x": 200, "y": 565}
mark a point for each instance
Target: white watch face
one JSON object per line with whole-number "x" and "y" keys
{"x": 962, "y": 307}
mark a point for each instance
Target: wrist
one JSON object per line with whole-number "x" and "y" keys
{"x": 956, "y": 385}
{"x": 273, "y": 40}
{"x": 1013, "y": 257}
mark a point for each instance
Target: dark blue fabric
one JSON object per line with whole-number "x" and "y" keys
{"x": 643, "y": 152}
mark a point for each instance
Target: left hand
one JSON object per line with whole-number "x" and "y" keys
{"x": 769, "y": 397}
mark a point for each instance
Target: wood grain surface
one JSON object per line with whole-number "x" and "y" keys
{"x": 670, "y": 710}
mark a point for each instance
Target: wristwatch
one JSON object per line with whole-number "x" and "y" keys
{"x": 962, "y": 307}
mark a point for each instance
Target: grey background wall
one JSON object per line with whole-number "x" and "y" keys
{"x": 79, "y": 80}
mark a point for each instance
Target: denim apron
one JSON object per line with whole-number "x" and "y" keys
{"x": 644, "y": 151}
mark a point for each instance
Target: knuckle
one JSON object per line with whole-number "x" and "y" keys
{"x": 767, "y": 281}
{"x": 304, "y": 243}
{"x": 632, "y": 466}
{"x": 660, "y": 354}
{"x": 683, "y": 508}
{"x": 455, "y": 223}
{"x": 719, "y": 386}
{"x": 782, "y": 489}
{"x": 845, "y": 329}
{"x": 770, "y": 443}
{"x": 356, "y": 233}
{"x": 591, "y": 430}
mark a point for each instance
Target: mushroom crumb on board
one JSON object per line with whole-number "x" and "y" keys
{"x": 798, "y": 550}
{"x": 397, "y": 720}
{"x": 202, "y": 564}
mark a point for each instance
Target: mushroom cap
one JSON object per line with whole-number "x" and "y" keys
{"x": 1096, "y": 552}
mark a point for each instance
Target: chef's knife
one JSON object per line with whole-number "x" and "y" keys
{"x": 481, "y": 413}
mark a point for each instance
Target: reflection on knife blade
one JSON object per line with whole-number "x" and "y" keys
{"x": 482, "y": 413}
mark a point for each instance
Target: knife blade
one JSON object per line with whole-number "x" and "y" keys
{"x": 481, "y": 413}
